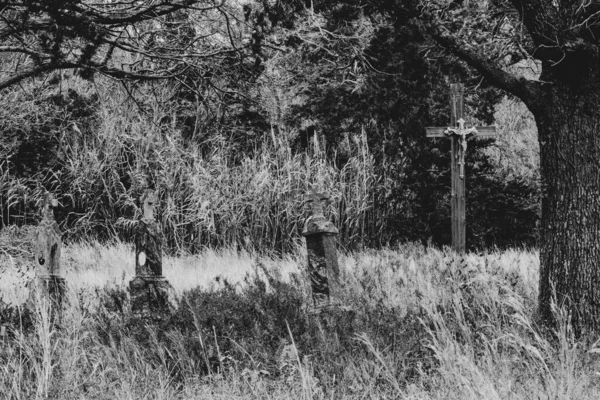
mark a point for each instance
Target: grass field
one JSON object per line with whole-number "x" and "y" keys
{"x": 427, "y": 326}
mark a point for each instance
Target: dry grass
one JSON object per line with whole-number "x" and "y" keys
{"x": 92, "y": 266}
{"x": 427, "y": 327}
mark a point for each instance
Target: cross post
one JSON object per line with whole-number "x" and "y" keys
{"x": 458, "y": 134}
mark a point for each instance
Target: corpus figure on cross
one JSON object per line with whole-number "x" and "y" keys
{"x": 458, "y": 135}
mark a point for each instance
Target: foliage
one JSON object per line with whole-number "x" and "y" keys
{"x": 328, "y": 96}
{"x": 367, "y": 69}
{"x": 125, "y": 40}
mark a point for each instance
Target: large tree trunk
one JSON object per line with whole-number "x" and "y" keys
{"x": 565, "y": 101}
{"x": 568, "y": 121}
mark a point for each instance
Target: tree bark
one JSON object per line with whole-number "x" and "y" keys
{"x": 568, "y": 121}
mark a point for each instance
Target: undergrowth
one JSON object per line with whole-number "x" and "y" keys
{"x": 425, "y": 325}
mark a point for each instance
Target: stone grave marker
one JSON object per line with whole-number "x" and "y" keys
{"x": 320, "y": 234}
{"x": 49, "y": 280}
{"x": 327, "y": 312}
{"x": 151, "y": 294}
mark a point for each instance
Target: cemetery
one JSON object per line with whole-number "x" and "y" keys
{"x": 275, "y": 200}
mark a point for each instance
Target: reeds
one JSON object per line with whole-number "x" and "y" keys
{"x": 210, "y": 194}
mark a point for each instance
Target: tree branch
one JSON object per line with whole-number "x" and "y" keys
{"x": 518, "y": 86}
{"x": 145, "y": 12}
{"x": 85, "y": 35}
{"x": 32, "y": 72}
{"x": 540, "y": 18}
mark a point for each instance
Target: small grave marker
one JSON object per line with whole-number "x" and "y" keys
{"x": 48, "y": 271}
{"x": 151, "y": 293}
{"x": 3, "y": 338}
{"x": 458, "y": 135}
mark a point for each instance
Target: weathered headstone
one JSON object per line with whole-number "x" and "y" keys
{"x": 458, "y": 135}
{"x": 320, "y": 234}
{"x": 49, "y": 281}
{"x": 327, "y": 313}
{"x": 151, "y": 294}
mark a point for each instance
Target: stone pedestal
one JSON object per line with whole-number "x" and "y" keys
{"x": 151, "y": 297}
{"x": 335, "y": 319}
{"x": 54, "y": 287}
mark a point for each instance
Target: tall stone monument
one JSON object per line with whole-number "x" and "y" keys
{"x": 327, "y": 312}
{"x": 151, "y": 294}
{"x": 320, "y": 234}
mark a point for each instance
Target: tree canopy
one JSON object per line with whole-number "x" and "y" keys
{"x": 351, "y": 74}
{"x": 126, "y": 39}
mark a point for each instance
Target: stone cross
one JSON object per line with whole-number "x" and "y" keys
{"x": 151, "y": 294}
{"x": 458, "y": 135}
{"x": 320, "y": 236}
{"x": 48, "y": 246}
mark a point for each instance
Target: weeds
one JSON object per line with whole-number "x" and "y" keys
{"x": 424, "y": 328}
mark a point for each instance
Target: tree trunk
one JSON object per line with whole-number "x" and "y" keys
{"x": 568, "y": 121}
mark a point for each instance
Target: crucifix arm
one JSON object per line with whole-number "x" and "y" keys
{"x": 482, "y": 131}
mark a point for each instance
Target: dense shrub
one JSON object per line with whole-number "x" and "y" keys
{"x": 258, "y": 325}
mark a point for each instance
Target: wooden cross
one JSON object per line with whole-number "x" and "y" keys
{"x": 458, "y": 135}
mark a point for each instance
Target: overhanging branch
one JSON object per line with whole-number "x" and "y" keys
{"x": 143, "y": 12}
{"x": 33, "y": 72}
{"x": 518, "y": 86}
{"x": 84, "y": 35}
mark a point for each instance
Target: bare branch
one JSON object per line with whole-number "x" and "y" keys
{"x": 142, "y": 11}
{"x": 32, "y": 72}
{"x": 80, "y": 34}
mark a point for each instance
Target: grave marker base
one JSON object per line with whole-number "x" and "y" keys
{"x": 51, "y": 288}
{"x": 152, "y": 297}
{"x": 334, "y": 321}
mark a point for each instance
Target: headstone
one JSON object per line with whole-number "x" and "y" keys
{"x": 320, "y": 234}
{"x": 327, "y": 313}
{"x": 49, "y": 281}
{"x": 151, "y": 294}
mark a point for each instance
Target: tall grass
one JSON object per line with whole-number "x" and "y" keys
{"x": 427, "y": 326}
{"x": 211, "y": 194}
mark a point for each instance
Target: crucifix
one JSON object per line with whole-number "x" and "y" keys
{"x": 458, "y": 134}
